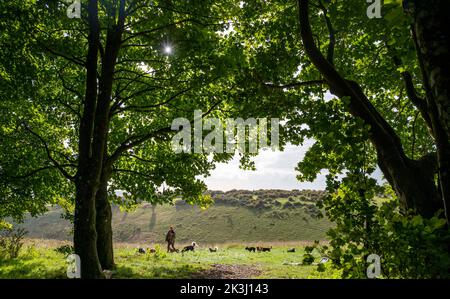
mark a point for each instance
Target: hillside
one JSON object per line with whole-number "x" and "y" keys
{"x": 237, "y": 215}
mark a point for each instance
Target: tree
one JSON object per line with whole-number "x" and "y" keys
{"x": 345, "y": 79}
{"x": 110, "y": 84}
{"x": 412, "y": 179}
{"x": 359, "y": 88}
{"x": 26, "y": 180}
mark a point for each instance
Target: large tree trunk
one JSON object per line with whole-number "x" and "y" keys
{"x": 431, "y": 34}
{"x": 90, "y": 157}
{"x": 104, "y": 225}
{"x": 413, "y": 180}
{"x": 103, "y": 208}
{"x": 85, "y": 236}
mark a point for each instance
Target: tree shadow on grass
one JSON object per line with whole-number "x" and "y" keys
{"x": 166, "y": 272}
{"x": 29, "y": 269}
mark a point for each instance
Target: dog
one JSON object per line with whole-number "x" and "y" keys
{"x": 151, "y": 250}
{"x": 264, "y": 249}
{"x": 189, "y": 247}
{"x": 141, "y": 250}
{"x": 250, "y": 249}
{"x": 291, "y": 250}
{"x": 213, "y": 249}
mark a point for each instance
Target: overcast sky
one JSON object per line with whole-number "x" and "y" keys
{"x": 275, "y": 170}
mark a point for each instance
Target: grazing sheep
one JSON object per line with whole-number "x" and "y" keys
{"x": 250, "y": 249}
{"x": 189, "y": 247}
{"x": 291, "y": 250}
{"x": 213, "y": 249}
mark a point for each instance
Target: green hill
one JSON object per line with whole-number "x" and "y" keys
{"x": 236, "y": 216}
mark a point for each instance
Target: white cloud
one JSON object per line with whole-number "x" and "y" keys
{"x": 274, "y": 170}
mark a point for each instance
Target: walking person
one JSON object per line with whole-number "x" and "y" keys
{"x": 170, "y": 239}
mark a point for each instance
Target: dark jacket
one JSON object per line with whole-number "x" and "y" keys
{"x": 170, "y": 237}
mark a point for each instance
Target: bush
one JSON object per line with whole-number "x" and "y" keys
{"x": 11, "y": 241}
{"x": 288, "y": 205}
{"x": 409, "y": 246}
{"x": 65, "y": 249}
{"x": 308, "y": 259}
{"x": 159, "y": 254}
{"x": 30, "y": 252}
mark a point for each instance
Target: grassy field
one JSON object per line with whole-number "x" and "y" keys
{"x": 239, "y": 218}
{"x": 38, "y": 259}
{"x": 218, "y": 224}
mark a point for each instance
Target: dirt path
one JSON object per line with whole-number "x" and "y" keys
{"x": 218, "y": 271}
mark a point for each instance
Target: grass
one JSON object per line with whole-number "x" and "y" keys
{"x": 217, "y": 224}
{"x": 39, "y": 260}
{"x": 230, "y": 227}
{"x": 34, "y": 263}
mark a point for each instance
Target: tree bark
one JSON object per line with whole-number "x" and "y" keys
{"x": 85, "y": 235}
{"x": 104, "y": 225}
{"x": 103, "y": 208}
{"x": 412, "y": 180}
{"x": 93, "y": 136}
{"x": 89, "y": 164}
{"x": 431, "y": 35}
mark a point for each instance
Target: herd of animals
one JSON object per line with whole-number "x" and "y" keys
{"x": 215, "y": 249}
{"x": 264, "y": 249}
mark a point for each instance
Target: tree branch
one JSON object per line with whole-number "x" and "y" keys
{"x": 294, "y": 84}
{"x": 133, "y": 141}
{"x": 412, "y": 94}
{"x": 143, "y": 160}
{"x": 146, "y": 107}
{"x": 145, "y": 32}
{"x": 381, "y": 132}
{"x": 86, "y": 127}
{"x": 331, "y": 32}
{"x": 49, "y": 155}
{"x": 72, "y": 59}
{"x": 136, "y": 140}
{"x": 33, "y": 172}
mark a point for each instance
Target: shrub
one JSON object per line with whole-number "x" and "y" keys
{"x": 65, "y": 249}
{"x": 11, "y": 241}
{"x": 31, "y": 252}
{"x": 308, "y": 258}
{"x": 159, "y": 254}
{"x": 288, "y": 205}
{"x": 409, "y": 246}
